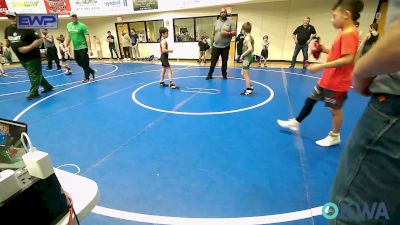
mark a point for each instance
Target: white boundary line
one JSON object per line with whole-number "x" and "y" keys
{"x": 12, "y": 77}
{"x": 19, "y": 71}
{"x": 298, "y": 142}
{"x": 13, "y": 93}
{"x": 22, "y": 81}
{"x": 82, "y": 84}
{"x": 168, "y": 220}
{"x": 23, "y": 70}
{"x": 60, "y": 85}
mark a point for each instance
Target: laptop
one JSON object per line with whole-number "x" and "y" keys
{"x": 11, "y": 148}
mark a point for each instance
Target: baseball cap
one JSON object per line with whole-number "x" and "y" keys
{"x": 11, "y": 13}
{"x": 72, "y": 14}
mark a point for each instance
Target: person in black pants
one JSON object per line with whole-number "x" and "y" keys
{"x": 82, "y": 58}
{"x": 239, "y": 45}
{"x": 25, "y": 44}
{"x": 79, "y": 34}
{"x": 302, "y": 36}
{"x": 111, "y": 45}
{"x": 51, "y": 49}
{"x": 223, "y": 32}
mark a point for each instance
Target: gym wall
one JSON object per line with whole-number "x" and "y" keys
{"x": 277, "y": 19}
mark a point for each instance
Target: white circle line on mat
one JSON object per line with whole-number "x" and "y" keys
{"x": 271, "y": 96}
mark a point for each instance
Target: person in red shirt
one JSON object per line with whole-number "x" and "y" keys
{"x": 336, "y": 77}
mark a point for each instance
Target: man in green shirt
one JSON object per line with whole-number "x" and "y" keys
{"x": 25, "y": 43}
{"x": 79, "y": 34}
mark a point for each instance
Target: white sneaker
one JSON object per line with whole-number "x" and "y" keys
{"x": 291, "y": 124}
{"x": 330, "y": 140}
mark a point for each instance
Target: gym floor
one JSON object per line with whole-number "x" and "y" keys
{"x": 162, "y": 156}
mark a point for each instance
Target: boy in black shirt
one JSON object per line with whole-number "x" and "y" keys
{"x": 25, "y": 43}
{"x": 164, "y": 59}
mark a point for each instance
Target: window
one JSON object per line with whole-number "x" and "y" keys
{"x": 153, "y": 28}
{"x": 192, "y": 29}
{"x": 204, "y": 26}
{"x": 147, "y": 30}
{"x": 234, "y": 25}
{"x": 140, "y": 30}
{"x": 184, "y": 30}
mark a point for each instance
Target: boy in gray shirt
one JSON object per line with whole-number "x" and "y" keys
{"x": 50, "y": 46}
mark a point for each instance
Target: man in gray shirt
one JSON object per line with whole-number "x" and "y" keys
{"x": 50, "y": 46}
{"x": 222, "y": 36}
{"x": 369, "y": 171}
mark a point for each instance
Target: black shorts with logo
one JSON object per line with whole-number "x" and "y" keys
{"x": 164, "y": 60}
{"x": 332, "y": 99}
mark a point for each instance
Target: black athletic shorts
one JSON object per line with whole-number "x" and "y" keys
{"x": 264, "y": 53}
{"x": 332, "y": 99}
{"x": 164, "y": 60}
{"x": 63, "y": 58}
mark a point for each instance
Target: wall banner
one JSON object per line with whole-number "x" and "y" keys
{"x": 3, "y": 8}
{"x": 60, "y": 7}
{"x": 101, "y": 7}
{"x": 26, "y": 6}
{"x": 141, "y": 5}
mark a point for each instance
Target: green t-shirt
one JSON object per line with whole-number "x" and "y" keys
{"x": 78, "y": 33}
